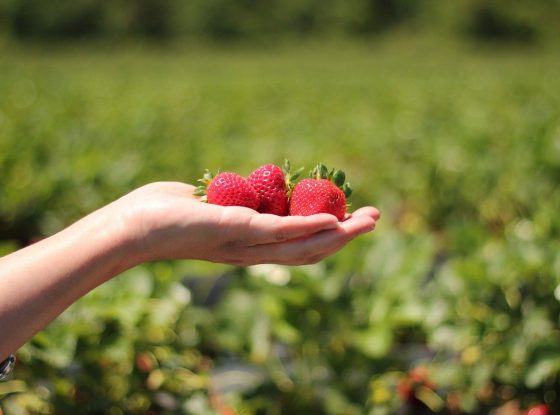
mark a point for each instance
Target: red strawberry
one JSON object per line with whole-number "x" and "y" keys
{"x": 228, "y": 189}
{"x": 270, "y": 183}
{"x": 540, "y": 410}
{"x": 325, "y": 192}
{"x": 273, "y": 184}
{"x": 415, "y": 380}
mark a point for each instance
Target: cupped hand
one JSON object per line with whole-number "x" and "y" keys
{"x": 168, "y": 222}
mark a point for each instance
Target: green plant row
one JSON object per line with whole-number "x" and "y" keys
{"x": 459, "y": 151}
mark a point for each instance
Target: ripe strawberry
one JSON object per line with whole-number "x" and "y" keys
{"x": 273, "y": 185}
{"x": 324, "y": 192}
{"x": 228, "y": 189}
{"x": 144, "y": 362}
{"x": 270, "y": 184}
{"x": 413, "y": 383}
{"x": 542, "y": 409}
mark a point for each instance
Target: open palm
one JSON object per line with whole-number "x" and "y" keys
{"x": 173, "y": 224}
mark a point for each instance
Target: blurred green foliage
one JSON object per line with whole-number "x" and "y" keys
{"x": 524, "y": 21}
{"x": 459, "y": 150}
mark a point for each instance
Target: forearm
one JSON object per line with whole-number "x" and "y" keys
{"x": 40, "y": 281}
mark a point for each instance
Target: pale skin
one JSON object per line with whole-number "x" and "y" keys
{"x": 159, "y": 221}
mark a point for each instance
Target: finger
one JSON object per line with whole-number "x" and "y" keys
{"x": 302, "y": 251}
{"x": 360, "y": 222}
{"x": 315, "y": 247}
{"x": 367, "y": 211}
{"x": 270, "y": 229}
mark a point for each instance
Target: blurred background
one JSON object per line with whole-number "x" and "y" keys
{"x": 444, "y": 115}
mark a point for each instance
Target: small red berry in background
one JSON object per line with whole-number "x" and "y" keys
{"x": 541, "y": 409}
{"x": 144, "y": 362}
{"x": 416, "y": 379}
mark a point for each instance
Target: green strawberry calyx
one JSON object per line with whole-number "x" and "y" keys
{"x": 202, "y": 188}
{"x": 290, "y": 177}
{"x": 337, "y": 177}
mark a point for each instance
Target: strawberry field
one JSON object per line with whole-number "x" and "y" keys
{"x": 451, "y": 306}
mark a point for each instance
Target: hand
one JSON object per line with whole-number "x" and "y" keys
{"x": 168, "y": 222}
{"x": 156, "y": 221}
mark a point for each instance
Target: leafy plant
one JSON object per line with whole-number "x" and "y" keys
{"x": 460, "y": 152}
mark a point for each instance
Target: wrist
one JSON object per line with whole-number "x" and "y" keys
{"x": 109, "y": 243}
{"x": 156, "y": 219}
{"x": 120, "y": 238}
{"x": 132, "y": 232}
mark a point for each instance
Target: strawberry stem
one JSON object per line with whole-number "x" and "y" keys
{"x": 204, "y": 183}
{"x": 290, "y": 177}
{"x": 320, "y": 172}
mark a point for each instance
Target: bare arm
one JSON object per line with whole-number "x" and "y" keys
{"x": 157, "y": 221}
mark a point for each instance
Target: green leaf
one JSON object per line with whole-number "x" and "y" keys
{"x": 339, "y": 177}
{"x": 347, "y": 190}
{"x": 543, "y": 369}
{"x": 374, "y": 342}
